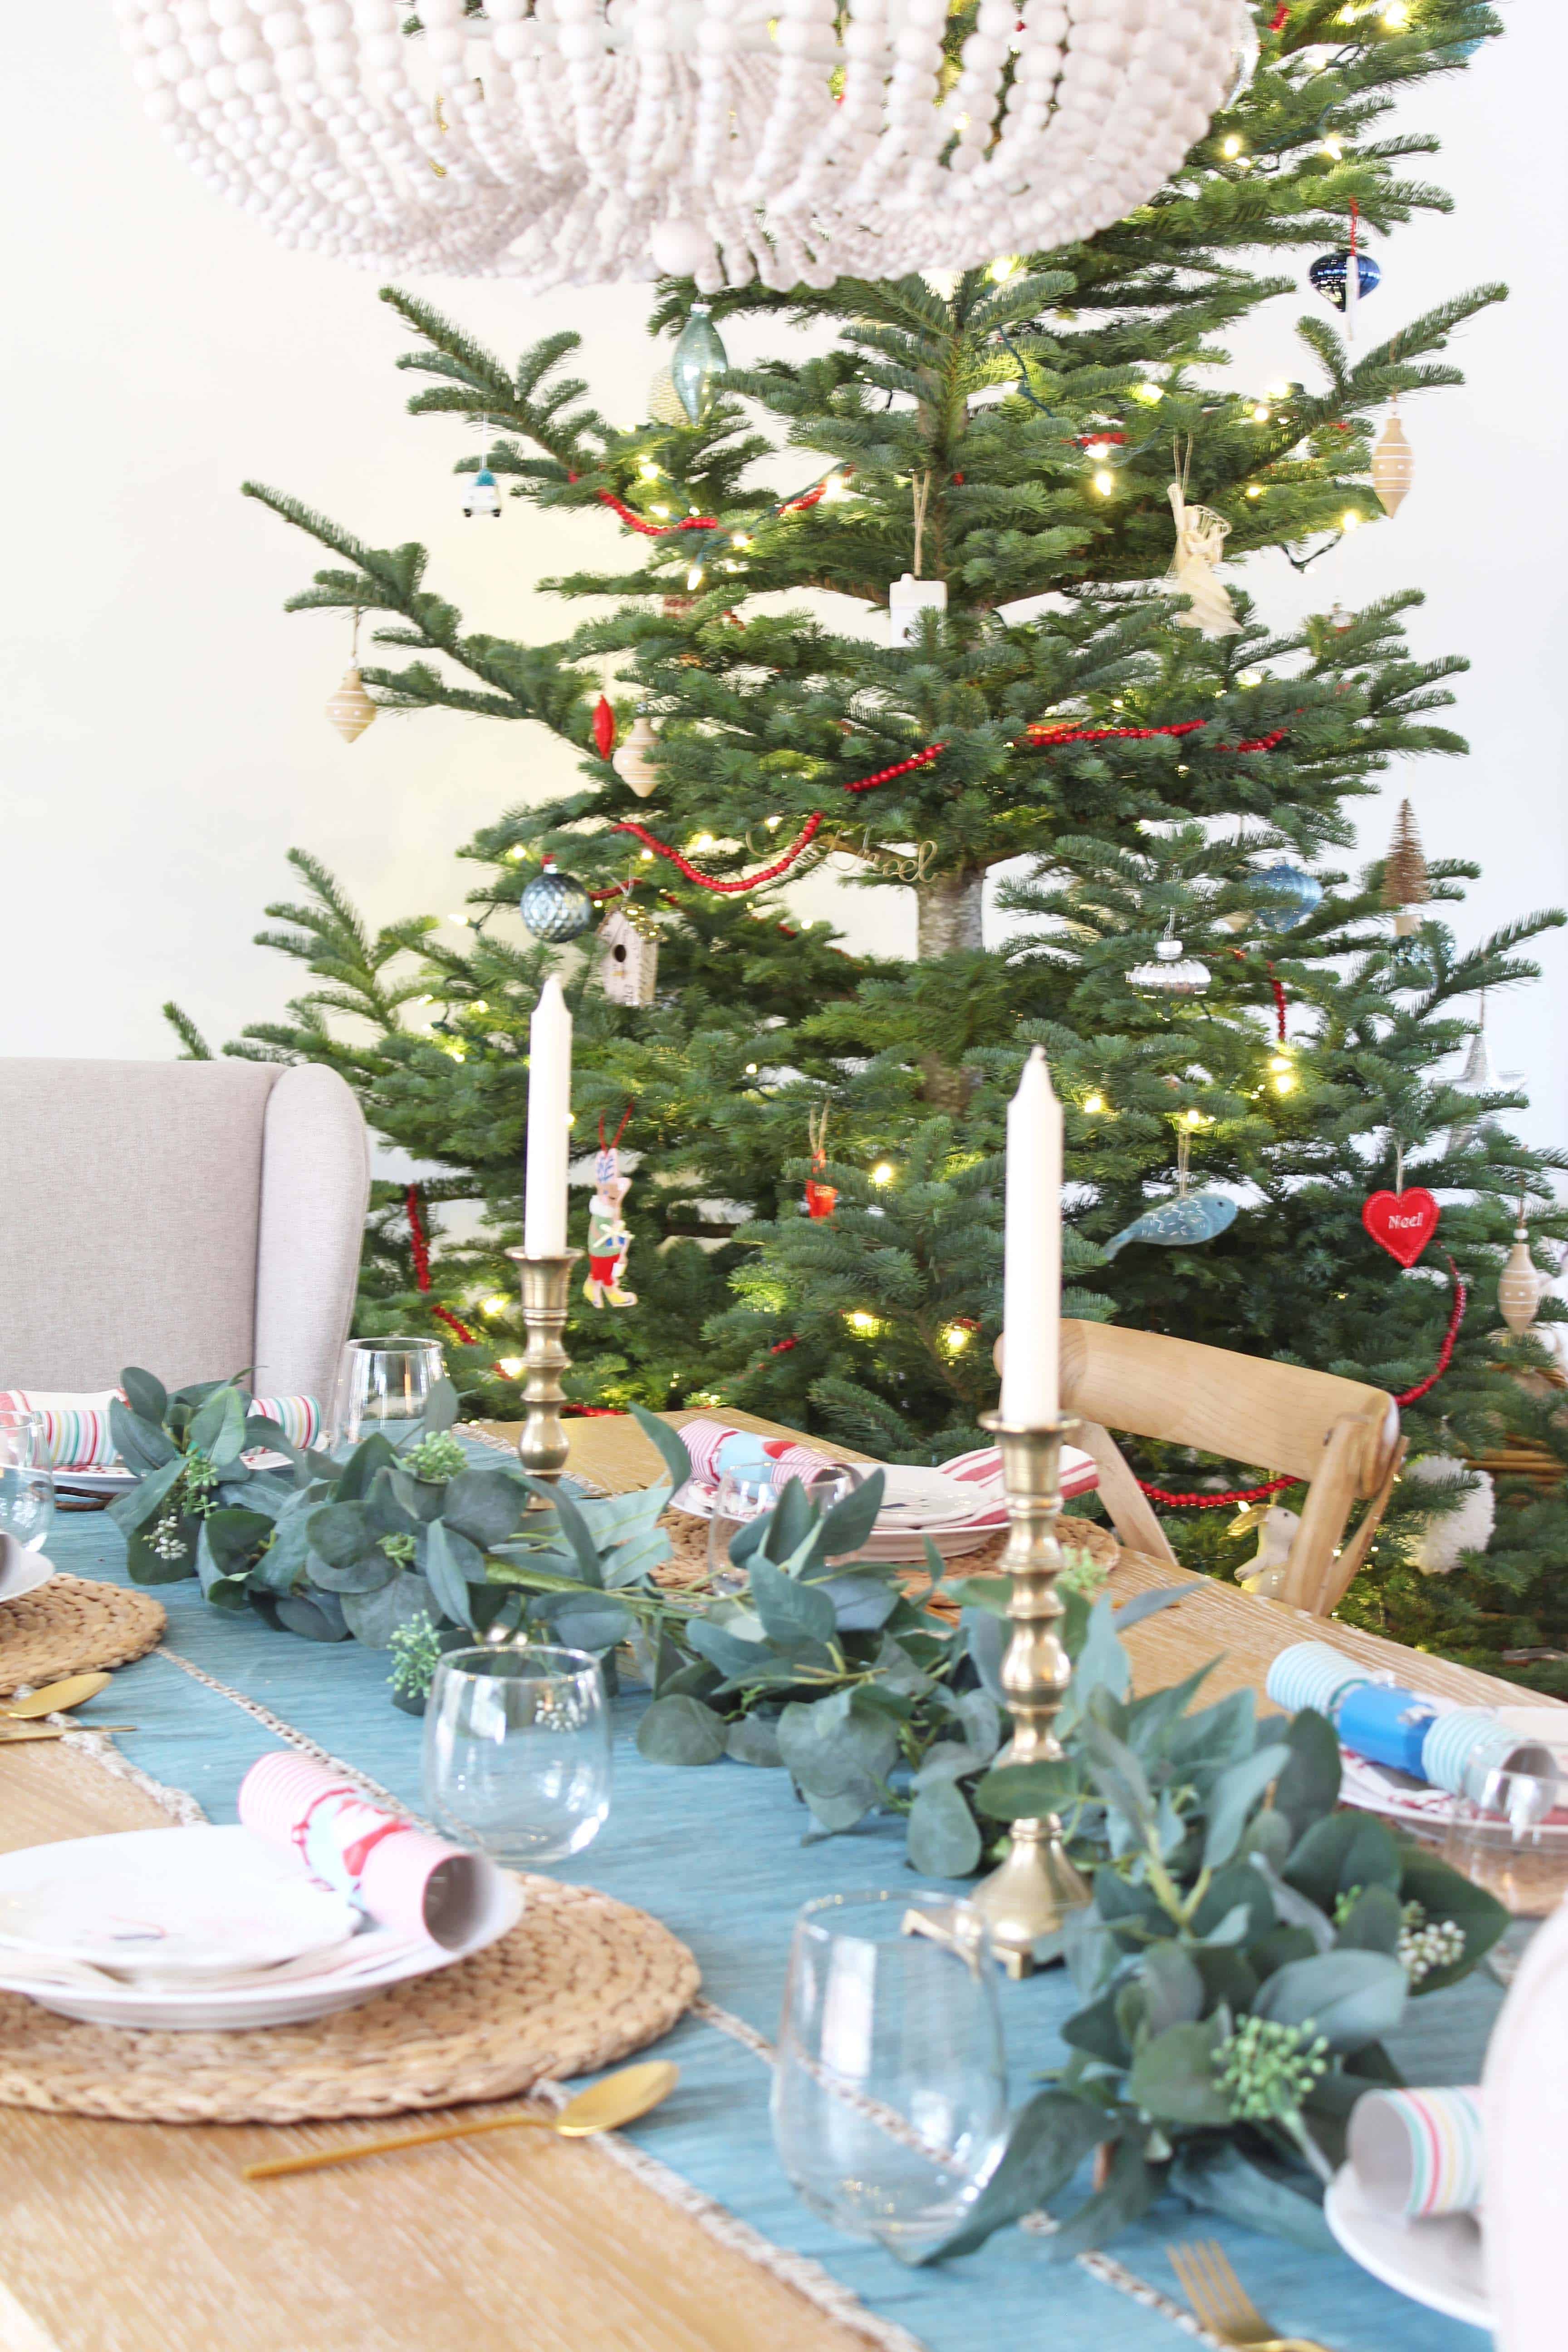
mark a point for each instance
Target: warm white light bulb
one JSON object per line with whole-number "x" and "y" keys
{"x": 1231, "y": 146}
{"x": 1104, "y": 482}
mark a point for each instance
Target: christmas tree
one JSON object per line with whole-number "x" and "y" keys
{"x": 1243, "y": 1044}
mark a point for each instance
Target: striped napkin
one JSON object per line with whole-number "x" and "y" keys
{"x": 1418, "y": 2152}
{"x": 75, "y": 1428}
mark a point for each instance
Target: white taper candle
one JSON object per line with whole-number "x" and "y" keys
{"x": 1033, "y": 1282}
{"x": 549, "y": 1123}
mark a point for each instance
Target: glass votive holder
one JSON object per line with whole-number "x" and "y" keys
{"x": 517, "y": 1750}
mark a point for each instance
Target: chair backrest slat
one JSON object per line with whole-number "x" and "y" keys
{"x": 1246, "y": 1408}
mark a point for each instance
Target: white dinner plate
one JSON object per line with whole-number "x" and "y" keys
{"x": 167, "y": 1904}
{"x": 24, "y": 1573}
{"x": 315, "y": 1985}
{"x": 1437, "y": 2262}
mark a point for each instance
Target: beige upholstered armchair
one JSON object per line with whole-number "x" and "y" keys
{"x": 197, "y": 1218}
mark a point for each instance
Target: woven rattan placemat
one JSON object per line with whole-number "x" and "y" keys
{"x": 579, "y": 1982}
{"x": 72, "y": 1626}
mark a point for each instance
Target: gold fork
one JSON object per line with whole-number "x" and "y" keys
{"x": 1222, "y": 2305}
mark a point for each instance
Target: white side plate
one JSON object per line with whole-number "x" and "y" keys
{"x": 1437, "y": 2262}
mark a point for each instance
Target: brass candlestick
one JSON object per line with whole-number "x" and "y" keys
{"x": 541, "y": 1448}
{"x": 1028, "y": 1897}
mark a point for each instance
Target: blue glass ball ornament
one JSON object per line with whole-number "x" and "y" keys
{"x": 1330, "y": 271}
{"x": 555, "y": 906}
{"x": 1293, "y": 894}
{"x": 698, "y": 363}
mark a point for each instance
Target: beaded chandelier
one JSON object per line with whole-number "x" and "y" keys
{"x": 577, "y": 141}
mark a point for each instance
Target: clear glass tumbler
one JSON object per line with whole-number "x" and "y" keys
{"x": 26, "y": 1481}
{"x": 517, "y": 1750}
{"x": 383, "y": 1386}
{"x": 890, "y": 2099}
{"x": 742, "y": 1496}
{"x": 1511, "y": 1839}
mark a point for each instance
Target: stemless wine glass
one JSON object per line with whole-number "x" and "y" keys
{"x": 26, "y": 1481}
{"x": 1510, "y": 1838}
{"x": 383, "y": 1388}
{"x": 889, "y": 2099}
{"x": 748, "y": 1494}
{"x": 517, "y": 1750}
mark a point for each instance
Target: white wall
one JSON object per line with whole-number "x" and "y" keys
{"x": 161, "y": 716}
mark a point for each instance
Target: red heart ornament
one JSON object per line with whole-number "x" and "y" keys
{"x": 1401, "y": 1223}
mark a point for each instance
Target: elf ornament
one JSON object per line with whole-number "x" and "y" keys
{"x": 609, "y": 1240}
{"x": 1476, "y": 1078}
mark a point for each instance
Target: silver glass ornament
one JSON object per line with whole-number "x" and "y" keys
{"x": 555, "y": 906}
{"x": 698, "y": 363}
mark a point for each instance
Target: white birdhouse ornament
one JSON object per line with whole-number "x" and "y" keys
{"x": 628, "y": 961}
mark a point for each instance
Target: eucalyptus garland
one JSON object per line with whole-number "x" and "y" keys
{"x": 1247, "y": 1947}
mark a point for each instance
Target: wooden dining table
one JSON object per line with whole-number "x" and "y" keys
{"x": 117, "y": 2237}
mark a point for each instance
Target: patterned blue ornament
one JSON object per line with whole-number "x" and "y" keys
{"x": 555, "y": 906}
{"x": 1293, "y": 894}
{"x": 698, "y": 363}
{"x": 1177, "y": 1224}
{"x": 1330, "y": 272}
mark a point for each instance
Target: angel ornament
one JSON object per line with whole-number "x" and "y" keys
{"x": 609, "y": 1237}
{"x": 1201, "y": 535}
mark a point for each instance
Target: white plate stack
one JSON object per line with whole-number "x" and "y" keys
{"x": 192, "y": 1929}
{"x": 960, "y": 1507}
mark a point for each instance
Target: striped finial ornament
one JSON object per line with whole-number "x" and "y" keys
{"x": 1392, "y": 463}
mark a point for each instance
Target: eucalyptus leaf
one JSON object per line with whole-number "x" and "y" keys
{"x": 341, "y": 1533}
{"x": 591, "y": 1625}
{"x": 147, "y": 1398}
{"x": 574, "y": 1527}
{"x": 754, "y": 1740}
{"x": 486, "y": 1505}
{"x": 1173, "y": 1986}
{"x": 445, "y": 1576}
{"x": 141, "y": 1445}
{"x": 847, "y": 1525}
{"x": 792, "y": 1612}
{"x": 1218, "y": 2178}
{"x": 671, "y": 1448}
{"x": 314, "y": 1618}
{"x": 1130, "y": 2187}
{"x": 1345, "y": 1851}
{"x": 374, "y": 1617}
{"x": 1046, "y": 2142}
{"x": 1350, "y": 1998}
{"x": 144, "y": 1502}
{"x": 1372, "y": 1923}
{"x": 1172, "y": 2076}
{"x": 1232, "y": 1797}
{"x": 441, "y": 1410}
{"x": 681, "y": 1731}
{"x": 1308, "y": 1787}
{"x": 943, "y": 1841}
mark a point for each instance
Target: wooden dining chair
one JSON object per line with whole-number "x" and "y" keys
{"x": 1342, "y": 1437}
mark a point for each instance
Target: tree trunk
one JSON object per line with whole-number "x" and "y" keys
{"x": 948, "y": 924}
{"x": 949, "y": 913}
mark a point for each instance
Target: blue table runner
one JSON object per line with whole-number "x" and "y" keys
{"x": 717, "y": 1854}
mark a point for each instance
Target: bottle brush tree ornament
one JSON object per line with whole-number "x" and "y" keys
{"x": 1405, "y": 882}
{"x": 1392, "y": 463}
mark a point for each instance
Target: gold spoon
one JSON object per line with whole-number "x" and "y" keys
{"x": 604, "y": 2106}
{"x": 55, "y": 1697}
{"x": 17, "y": 1734}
